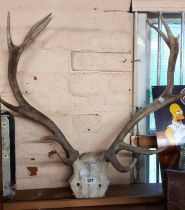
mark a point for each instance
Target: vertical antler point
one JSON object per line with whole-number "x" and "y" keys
{"x": 9, "y": 39}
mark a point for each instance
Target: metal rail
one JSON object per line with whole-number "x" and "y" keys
{"x": 182, "y": 49}
{"x": 159, "y": 52}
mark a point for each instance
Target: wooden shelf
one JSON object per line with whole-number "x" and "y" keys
{"x": 116, "y": 195}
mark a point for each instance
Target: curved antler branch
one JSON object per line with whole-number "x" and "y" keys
{"x": 165, "y": 98}
{"x": 160, "y": 32}
{"x": 24, "y": 107}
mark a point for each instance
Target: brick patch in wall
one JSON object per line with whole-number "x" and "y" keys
{"x": 104, "y": 85}
{"x": 101, "y": 61}
{"x": 32, "y": 170}
{"x": 87, "y": 123}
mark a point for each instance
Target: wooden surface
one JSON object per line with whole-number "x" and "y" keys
{"x": 159, "y": 5}
{"x": 116, "y": 195}
{"x": 145, "y": 141}
{"x": 169, "y": 158}
{"x": 149, "y": 206}
{"x": 51, "y": 204}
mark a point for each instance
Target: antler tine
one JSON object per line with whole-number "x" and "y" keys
{"x": 168, "y": 30}
{"x": 9, "y": 39}
{"x": 128, "y": 147}
{"x": 15, "y": 52}
{"x": 174, "y": 50}
{"x": 36, "y": 30}
{"x": 160, "y": 32}
{"x": 172, "y": 43}
{"x": 165, "y": 98}
{"x": 24, "y": 107}
{"x": 10, "y": 106}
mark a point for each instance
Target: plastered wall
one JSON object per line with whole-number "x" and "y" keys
{"x": 78, "y": 72}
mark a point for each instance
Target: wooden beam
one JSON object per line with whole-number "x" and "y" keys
{"x": 158, "y": 5}
{"x": 128, "y": 194}
{"x": 52, "y": 204}
{"x": 145, "y": 141}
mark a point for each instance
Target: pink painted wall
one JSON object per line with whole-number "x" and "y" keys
{"x": 78, "y": 72}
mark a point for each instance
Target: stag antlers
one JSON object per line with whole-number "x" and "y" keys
{"x": 30, "y": 112}
{"x": 24, "y": 107}
{"x": 165, "y": 98}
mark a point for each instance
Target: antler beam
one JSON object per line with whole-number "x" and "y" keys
{"x": 165, "y": 98}
{"x": 24, "y": 107}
